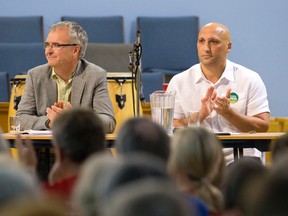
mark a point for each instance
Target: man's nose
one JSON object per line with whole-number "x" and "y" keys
{"x": 206, "y": 46}
{"x": 49, "y": 51}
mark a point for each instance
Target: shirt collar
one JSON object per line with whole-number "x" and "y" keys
{"x": 55, "y": 76}
{"x": 227, "y": 74}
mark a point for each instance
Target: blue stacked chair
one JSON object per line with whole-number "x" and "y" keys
{"x": 15, "y": 31}
{"x": 169, "y": 46}
{"x": 18, "y": 58}
{"x": 108, "y": 29}
{"x": 22, "y": 29}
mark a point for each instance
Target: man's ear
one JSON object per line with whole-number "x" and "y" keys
{"x": 59, "y": 153}
{"x": 229, "y": 47}
{"x": 77, "y": 49}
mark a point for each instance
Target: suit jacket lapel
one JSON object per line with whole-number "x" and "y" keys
{"x": 78, "y": 85}
{"x": 51, "y": 95}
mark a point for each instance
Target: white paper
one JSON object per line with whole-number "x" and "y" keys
{"x": 39, "y": 132}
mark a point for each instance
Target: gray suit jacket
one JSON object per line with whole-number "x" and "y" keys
{"x": 89, "y": 89}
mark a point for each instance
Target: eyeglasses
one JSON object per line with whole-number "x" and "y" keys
{"x": 57, "y": 46}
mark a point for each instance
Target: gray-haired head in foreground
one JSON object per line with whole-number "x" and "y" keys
{"x": 143, "y": 135}
{"x": 15, "y": 181}
{"x": 152, "y": 197}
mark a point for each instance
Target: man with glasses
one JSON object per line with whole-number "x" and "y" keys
{"x": 66, "y": 81}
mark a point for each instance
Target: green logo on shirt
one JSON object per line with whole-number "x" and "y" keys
{"x": 233, "y": 98}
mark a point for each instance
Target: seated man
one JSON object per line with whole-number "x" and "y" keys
{"x": 66, "y": 80}
{"x": 230, "y": 97}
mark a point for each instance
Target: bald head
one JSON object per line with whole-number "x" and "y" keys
{"x": 218, "y": 28}
{"x": 213, "y": 47}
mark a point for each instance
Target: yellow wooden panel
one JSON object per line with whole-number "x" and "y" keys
{"x": 283, "y": 121}
{"x": 274, "y": 126}
{"x": 285, "y": 127}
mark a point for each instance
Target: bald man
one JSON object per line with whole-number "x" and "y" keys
{"x": 230, "y": 97}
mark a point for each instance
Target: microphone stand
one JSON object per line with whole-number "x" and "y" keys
{"x": 135, "y": 57}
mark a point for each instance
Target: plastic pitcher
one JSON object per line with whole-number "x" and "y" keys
{"x": 162, "y": 109}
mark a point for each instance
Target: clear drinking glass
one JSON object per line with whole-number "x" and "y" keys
{"x": 162, "y": 109}
{"x": 14, "y": 124}
{"x": 193, "y": 118}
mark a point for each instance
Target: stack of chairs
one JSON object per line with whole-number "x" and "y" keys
{"x": 169, "y": 46}
{"x": 108, "y": 29}
{"x": 21, "y": 40}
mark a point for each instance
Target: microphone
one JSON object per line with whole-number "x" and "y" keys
{"x": 138, "y": 34}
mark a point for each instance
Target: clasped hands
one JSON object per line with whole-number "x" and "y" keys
{"x": 211, "y": 102}
{"x": 56, "y": 109}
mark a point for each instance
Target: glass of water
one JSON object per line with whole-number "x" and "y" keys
{"x": 193, "y": 118}
{"x": 162, "y": 109}
{"x": 14, "y": 124}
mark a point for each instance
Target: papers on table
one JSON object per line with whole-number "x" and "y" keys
{"x": 39, "y": 132}
{"x": 33, "y": 132}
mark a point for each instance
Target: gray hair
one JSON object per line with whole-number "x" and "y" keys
{"x": 15, "y": 181}
{"x": 77, "y": 34}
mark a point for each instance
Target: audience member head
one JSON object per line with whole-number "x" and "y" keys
{"x": 270, "y": 194}
{"x": 77, "y": 34}
{"x": 279, "y": 147}
{"x": 198, "y": 152}
{"x": 143, "y": 135}
{"x": 135, "y": 167}
{"x": 197, "y": 163}
{"x": 78, "y": 133}
{"x": 93, "y": 179}
{"x": 240, "y": 175}
{"x": 15, "y": 181}
{"x": 148, "y": 197}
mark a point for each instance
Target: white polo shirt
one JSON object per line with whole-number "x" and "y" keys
{"x": 248, "y": 93}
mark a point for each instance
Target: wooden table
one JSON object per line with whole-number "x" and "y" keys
{"x": 238, "y": 142}
{"x": 44, "y": 150}
{"x": 45, "y": 141}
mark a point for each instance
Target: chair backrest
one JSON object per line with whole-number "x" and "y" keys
{"x": 151, "y": 82}
{"x": 19, "y": 58}
{"x": 108, "y": 29}
{"x": 111, "y": 57}
{"x": 168, "y": 43}
{"x": 21, "y": 29}
{"x": 4, "y": 87}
